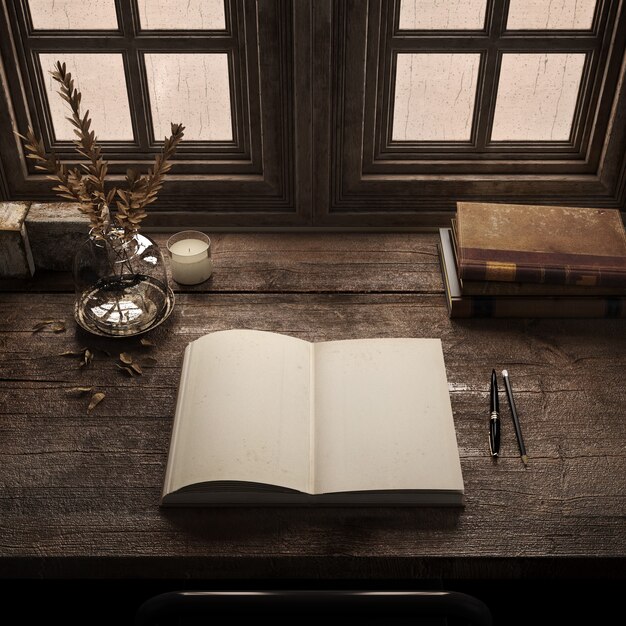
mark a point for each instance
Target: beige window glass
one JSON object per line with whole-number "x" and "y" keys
{"x": 73, "y": 14}
{"x": 193, "y": 89}
{"x": 550, "y": 14}
{"x": 182, "y": 14}
{"x": 104, "y": 94}
{"x": 537, "y": 96}
{"x": 435, "y": 96}
{"x": 442, "y": 14}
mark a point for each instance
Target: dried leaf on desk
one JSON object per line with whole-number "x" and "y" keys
{"x": 80, "y": 352}
{"x": 95, "y": 400}
{"x": 136, "y": 368}
{"x": 126, "y": 358}
{"x": 80, "y": 390}
{"x": 146, "y": 342}
{"x": 126, "y": 369}
{"x": 41, "y": 325}
{"x": 57, "y": 326}
{"x": 87, "y": 358}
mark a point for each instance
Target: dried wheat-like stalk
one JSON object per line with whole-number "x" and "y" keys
{"x": 88, "y": 187}
{"x": 70, "y": 184}
{"x": 143, "y": 190}
{"x": 86, "y": 145}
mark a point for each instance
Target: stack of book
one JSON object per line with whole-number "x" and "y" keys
{"x": 504, "y": 260}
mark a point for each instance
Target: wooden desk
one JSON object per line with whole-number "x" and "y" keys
{"x": 79, "y": 493}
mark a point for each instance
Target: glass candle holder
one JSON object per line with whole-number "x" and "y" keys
{"x": 190, "y": 253}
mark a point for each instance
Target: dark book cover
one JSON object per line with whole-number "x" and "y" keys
{"x": 540, "y": 244}
{"x": 517, "y": 288}
{"x": 462, "y": 305}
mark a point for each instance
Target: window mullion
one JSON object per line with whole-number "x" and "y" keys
{"x": 128, "y": 13}
{"x": 490, "y": 70}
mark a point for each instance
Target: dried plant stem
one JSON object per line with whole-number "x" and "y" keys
{"x": 69, "y": 182}
{"x": 143, "y": 190}
{"x": 88, "y": 187}
{"x": 86, "y": 145}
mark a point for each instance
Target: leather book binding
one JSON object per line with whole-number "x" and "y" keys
{"x": 541, "y": 244}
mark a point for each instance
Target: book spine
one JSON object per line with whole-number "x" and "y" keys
{"x": 180, "y": 401}
{"x": 542, "y": 307}
{"x": 554, "y": 275}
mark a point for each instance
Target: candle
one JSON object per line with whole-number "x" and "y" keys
{"x": 190, "y": 253}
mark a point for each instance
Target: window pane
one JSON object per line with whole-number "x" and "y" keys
{"x": 442, "y": 14}
{"x": 551, "y": 14}
{"x": 537, "y": 97}
{"x": 73, "y": 14}
{"x": 435, "y": 96}
{"x": 101, "y": 79}
{"x": 192, "y": 89}
{"x": 179, "y": 15}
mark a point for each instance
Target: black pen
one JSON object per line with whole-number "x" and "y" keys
{"x": 494, "y": 419}
{"x": 518, "y": 429}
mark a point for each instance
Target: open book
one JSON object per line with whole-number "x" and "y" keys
{"x": 264, "y": 418}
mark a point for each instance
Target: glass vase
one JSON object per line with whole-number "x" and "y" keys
{"x": 121, "y": 284}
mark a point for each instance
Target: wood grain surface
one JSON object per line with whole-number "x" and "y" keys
{"x": 79, "y": 492}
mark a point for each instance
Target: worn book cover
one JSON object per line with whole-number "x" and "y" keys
{"x": 541, "y": 244}
{"x": 464, "y": 305}
{"x": 517, "y": 288}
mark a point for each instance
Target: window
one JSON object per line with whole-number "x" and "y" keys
{"x": 330, "y": 112}
{"x": 223, "y": 69}
{"x": 432, "y": 102}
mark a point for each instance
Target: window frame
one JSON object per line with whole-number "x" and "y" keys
{"x": 393, "y": 191}
{"x": 247, "y": 181}
{"x": 317, "y": 166}
{"x": 490, "y": 42}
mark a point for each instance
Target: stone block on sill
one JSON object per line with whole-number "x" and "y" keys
{"x": 16, "y": 259}
{"x": 55, "y": 230}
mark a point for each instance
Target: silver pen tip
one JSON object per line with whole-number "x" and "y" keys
{"x": 505, "y": 373}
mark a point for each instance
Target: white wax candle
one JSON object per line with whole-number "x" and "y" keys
{"x": 191, "y": 263}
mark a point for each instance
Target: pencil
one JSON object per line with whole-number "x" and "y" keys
{"x": 518, "y": 430}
